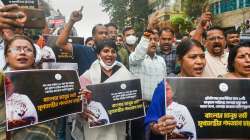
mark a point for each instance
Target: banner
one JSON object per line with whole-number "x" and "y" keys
{"x": 64, "y": 66}
{"x": 219, "y": 108}
{"x": 22, "y": 3}
{"x": 36, "y": 96}
{"x": 115, "y": 102}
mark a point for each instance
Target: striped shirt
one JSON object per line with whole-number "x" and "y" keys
{"x": 170, "y": 60}
{"x": 150, "y": 70}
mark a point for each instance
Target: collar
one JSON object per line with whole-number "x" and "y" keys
{"x": 1, "y": 45}
{"x": 154, "y": 57}
{"x": 171, "y": 51}
{"x": 222, "y": 56}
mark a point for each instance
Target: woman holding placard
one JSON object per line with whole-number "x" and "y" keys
{"x": 161, "y": 122}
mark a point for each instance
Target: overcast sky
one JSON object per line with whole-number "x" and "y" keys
{"x": 92, "y": 13}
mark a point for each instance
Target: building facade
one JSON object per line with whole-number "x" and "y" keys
{"x": 166, "y": 8}
{"x": 230, "y": 13}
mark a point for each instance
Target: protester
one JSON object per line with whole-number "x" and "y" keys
{"x": 145, "y": 64}
{"x": 47, "y": 54}
{"x": 122, "y": 52}
{"x": 216, "y": 56}
{"x": 20, "y": 55}
{"x": 119, "y": 40}
{"x": 104, "y": 69}
{"x": 83, "y": 56}
{"x": 232, "y": 38}
{"x": 239, "y": 61}
{"x": 167, "y": 49}
{"x": 129, "y": 38}
{"x": 158, "y": 122}
{"x": 90, "y": 42}
{"x": 112, "y": 31}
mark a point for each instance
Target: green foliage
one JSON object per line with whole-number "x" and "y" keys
{"x": 193, "y": 8}
{"x": 182, "y": 24}
{"x": 127, "y": 13}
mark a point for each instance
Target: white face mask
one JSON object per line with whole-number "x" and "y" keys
{"x": 131, "y": 40}
{"x": 105, "y": 66}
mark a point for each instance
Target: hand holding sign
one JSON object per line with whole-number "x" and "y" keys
{"x": 165, "y": 125}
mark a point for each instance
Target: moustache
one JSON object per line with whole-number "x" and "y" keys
{"x": 166, "y": 44}
{"x": 217, "y": 46}
{"x": 153, "y": 46}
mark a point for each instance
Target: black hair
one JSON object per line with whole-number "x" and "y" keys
{"x": 111, "y": 25}
{"x": 88, "y": 39}
{"x": 166, "y": 30}
{"x": 186, "y": 45}
{"x": 119, "y": 35}
{"x": 15, "y": 37}
{"x": 105, "y": 43}
{"x": 231, "y": 30}
{"x": 94, "y": 29}
{"x": 232, "y": 54}
{"x": 214, "y": 28}
{"x": 127, "y": 29}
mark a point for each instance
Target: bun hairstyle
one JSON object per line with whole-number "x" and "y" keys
{"x": 105, "y": 43}
{"x": 186, "y": 45}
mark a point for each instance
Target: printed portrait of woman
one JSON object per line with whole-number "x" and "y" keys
{"x": 20, "y": 111}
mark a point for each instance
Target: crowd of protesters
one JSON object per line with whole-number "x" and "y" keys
{"x": 207, "y": 52}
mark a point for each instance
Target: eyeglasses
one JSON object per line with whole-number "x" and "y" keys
{"x": 213, "y": 38}
{"x": 20, "y": 49}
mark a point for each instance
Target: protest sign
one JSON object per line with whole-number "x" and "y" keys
{"x": 22, "y": 3}
{"x": 35, "y": 96}
{"x": 115, "y": 102}
{"x": 60, "y": 53}
{"x": 64, "y": 66}
{"x": 219, "y": 108}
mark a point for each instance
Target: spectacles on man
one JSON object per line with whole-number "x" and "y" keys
{"x": 20, "y": 49}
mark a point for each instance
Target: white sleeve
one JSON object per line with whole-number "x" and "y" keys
{"x": 140, "y": 52}
{"x": 38, "y": 54}
{"x": 184, "y": 119}
{"x": 31, "y": 110}
{"x": 103, "y": 112}
{"x": 189, "y": 126}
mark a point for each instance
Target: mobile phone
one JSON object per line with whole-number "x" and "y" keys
{"x": 34, "y": 18}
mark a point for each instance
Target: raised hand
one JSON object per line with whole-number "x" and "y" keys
{"x": 76, "y": 15}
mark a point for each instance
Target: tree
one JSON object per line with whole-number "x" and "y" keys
{"x": 127, "y": 13}
{"x": 182, "y": 24}
{"x": 194, "y": 8}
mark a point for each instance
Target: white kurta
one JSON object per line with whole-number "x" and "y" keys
{"x": 111, "y": 132}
